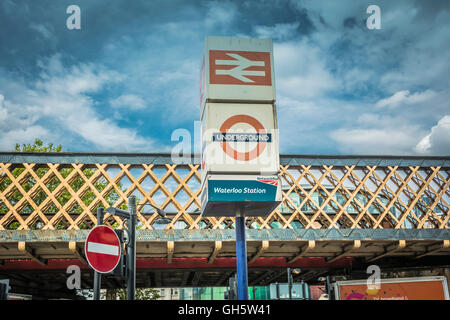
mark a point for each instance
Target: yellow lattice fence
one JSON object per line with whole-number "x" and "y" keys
{"x": 66, "y": 196}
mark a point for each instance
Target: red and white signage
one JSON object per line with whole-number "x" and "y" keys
{"x": 239, "y": 131}
{"x": 237, "y": 69}
{"x": 239, "y": 139}
{"x": 255, "y": 125}
{"x": 240, "y": 68}
{"x": 103, "y": 249}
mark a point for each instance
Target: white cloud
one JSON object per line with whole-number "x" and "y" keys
{"x": 23, "y": 136}
{"x": 59, "y": 101}
{"x": 376, "y": 141}
{"x": 327, "y": 82}
{"x": 373, "y": 133}
{"x": 42, "y": 29}
{"x": 437, "y": 141}
{"x": 220, "y": 14}
{"x": 128, "y": 101}
{"x": 280, "y": 31}
{"x": 394, "y": 100}
{"x": 76, "y": 80}
{"x": 185, "y": 70}
{"x": 382, "y": 133}
{"x": 341, "y": 80}
{"x": 3, "y": 111}
{"x": 424, "y": 54}
{"x": 332, "y": 13}
{"x": 301, "y": 72}
{"x": 107, "y": 135}
{"x": 405, "y": 97}
{"x": 16, "y": 123}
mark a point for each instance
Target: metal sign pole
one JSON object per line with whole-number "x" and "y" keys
{"x": 290, "y": 280}
{"x": 98, "y": 275}
{"x": 131, "y": 254}
{"x": 241, "y": 256}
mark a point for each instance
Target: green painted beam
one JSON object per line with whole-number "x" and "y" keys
{"x": 166, "y": 158}
{"x": 229, "y": 235}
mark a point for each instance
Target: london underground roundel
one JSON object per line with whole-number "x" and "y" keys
{"x": 260, "y": 143}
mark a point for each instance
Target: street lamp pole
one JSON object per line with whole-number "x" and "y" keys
{"x": 131, "y": 249}
{"x": 291, "y": 271}
{"x": 98, "y": 275}
{"x": 131, "y": 222}
{"x": 290, "y": 280}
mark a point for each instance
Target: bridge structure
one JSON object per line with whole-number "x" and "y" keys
{"x": 339, "y": 214}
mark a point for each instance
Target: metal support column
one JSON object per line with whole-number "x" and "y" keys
{"x": 303, "y": 290}
{"x": 290, "y": 281}
{"x": 277, "y": 290}
{"x": 328, "y": 288}
{"x": 98, "y": 275}
{"x": 131, "y": 252}
{"x": 241, "y": 256}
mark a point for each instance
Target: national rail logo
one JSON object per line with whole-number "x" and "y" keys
{"x": 240, "y": 68}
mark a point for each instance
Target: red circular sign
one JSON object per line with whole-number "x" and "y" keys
{"x": 102, "y": 249}
{"x": 244, "y": 156}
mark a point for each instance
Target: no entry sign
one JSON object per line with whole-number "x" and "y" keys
{"x": 102, "y": 249}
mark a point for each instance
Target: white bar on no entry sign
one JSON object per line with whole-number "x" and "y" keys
{"x": 96, "y": 247}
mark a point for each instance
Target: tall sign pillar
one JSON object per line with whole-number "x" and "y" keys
{"x": 240, "y": 153}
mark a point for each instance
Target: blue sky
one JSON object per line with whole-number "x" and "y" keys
{"x": 129, "y": 77}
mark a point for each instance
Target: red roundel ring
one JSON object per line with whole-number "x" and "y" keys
{"x": 243, "y": 156}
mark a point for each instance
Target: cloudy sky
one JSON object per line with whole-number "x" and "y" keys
{"x": 129, "y": 77}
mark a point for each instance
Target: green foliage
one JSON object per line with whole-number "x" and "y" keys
{"x": 141, "y": 294}
{"x": 63, "y": 198}
{"x": 37, "y": 146}
{"x": 121, "y": 294}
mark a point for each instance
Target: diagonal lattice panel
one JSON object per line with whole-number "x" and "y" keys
{"x": 367, "y": 195}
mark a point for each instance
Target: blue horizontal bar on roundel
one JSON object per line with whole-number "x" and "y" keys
{"x": 242, "y": 137}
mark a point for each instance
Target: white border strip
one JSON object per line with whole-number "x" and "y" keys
{"x": 96, "y": 247}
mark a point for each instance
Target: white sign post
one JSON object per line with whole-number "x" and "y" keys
{"x": 239, "y": 123}
{"x": 240, "y": 157}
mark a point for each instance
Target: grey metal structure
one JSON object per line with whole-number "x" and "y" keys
{"x": 164, "y": 158}
{"x": 335, "y": 209}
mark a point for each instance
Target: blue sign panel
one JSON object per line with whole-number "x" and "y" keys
{"x": 242, "y": 190}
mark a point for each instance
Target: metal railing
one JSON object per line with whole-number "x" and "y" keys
{"x": 51, "y": 191}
